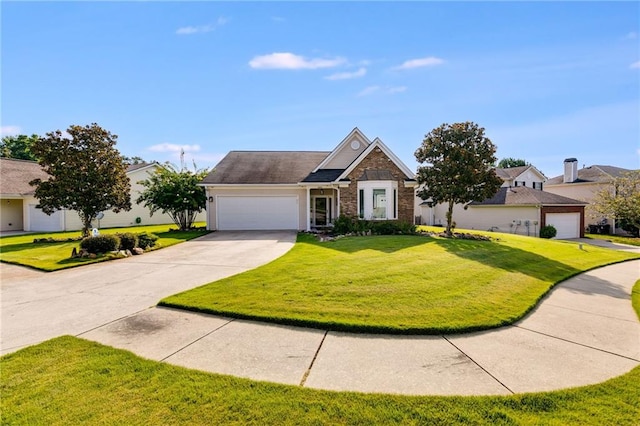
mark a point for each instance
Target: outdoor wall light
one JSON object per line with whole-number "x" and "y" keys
{"x": 211, "y": 199}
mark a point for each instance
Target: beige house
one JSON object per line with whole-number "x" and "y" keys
{"x": 19, "y": 211}
{"x": 584, "y": 184}
{"x": 519, "y": 207}
{"x": 304, "y": 190}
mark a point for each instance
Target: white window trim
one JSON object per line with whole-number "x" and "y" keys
{"x": 391, "y": 189}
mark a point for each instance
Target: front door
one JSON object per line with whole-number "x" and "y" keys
{"x": 321, "y": 213}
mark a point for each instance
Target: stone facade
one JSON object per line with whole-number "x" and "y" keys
{"x": 377, "y": 160}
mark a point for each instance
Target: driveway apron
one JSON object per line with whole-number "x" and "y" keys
{"x": 39, "y": 306}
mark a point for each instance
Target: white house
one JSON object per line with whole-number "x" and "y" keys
{"x": 19, "y": 211}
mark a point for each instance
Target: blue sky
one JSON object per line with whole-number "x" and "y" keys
{"x": 547, "y": 80}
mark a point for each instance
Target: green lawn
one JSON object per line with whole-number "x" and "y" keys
{"x": 21, "y": 250}
{"x": 399, "y": 284}
{"x": 632, "y": 241}
{"x": 71, "y": 381}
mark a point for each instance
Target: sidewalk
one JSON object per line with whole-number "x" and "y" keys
{"x": 585, "y": 331}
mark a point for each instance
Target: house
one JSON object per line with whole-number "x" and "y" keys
{"x": 19, "y": 211}
{"x": 304, "y": 190}
{"x": 520, "y": 207}
{"x": 584, "y": 184}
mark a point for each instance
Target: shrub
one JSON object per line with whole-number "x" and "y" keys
{"x": 146, "y": 241}
{"x": 548, "y": 231}
{"x": 344, "y": 225}
{"x": 100, "y": 243}
{"x": 128, "y": 241}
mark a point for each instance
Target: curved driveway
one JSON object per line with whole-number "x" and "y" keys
{"x": 37, "y": 306}
{"x": 585, "y": 331}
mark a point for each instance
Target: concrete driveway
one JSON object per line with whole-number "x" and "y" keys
{"x": 37, "y": 306}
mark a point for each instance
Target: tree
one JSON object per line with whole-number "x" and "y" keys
{"x": 459, "y": 166}
{"x": 18, "y": 147}
{"x": 622, "y": 201}
{"x": 508, "y": 162}
{"x": 129, "y": 161}
{"x": 87, "y": 173}
{"x": 176, "y": 193}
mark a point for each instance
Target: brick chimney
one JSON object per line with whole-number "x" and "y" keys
{"x": 570, "y": 170}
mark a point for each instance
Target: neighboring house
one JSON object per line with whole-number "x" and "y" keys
{"x": 584, "y": 184}
{"x": 19, "y": 211}
{"x": 520, "y": 207}
{"x": 304, "y": 190}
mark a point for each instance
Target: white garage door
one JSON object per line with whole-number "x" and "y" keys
{"x": 567, "y": 224}
{"x": 39, "y": 221}
{"x": 257, "y": 213}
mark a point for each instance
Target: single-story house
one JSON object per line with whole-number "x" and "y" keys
{"x": 584, "y": 184}
{"x": 19, "y": 208}
{"x": 520, "y": 207}
{"x": 304, "y": 190}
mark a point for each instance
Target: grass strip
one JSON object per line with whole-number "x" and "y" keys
{"x": 53, "y": 256}
{"x": 73, "y": 381}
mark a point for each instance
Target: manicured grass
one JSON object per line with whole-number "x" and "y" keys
{"x": 399, "y": 284}
{"x": 635, "y": 298}
{"x": 21, "y": 250}
{"x": 632, "y": 241}
{"x": 72, "y": 381}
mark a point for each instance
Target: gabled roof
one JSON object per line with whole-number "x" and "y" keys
{"x": 525, "y": 196}
{"x": 509, "y": 173}
{"x": 324, "y": 175}
{"x": 593, "y": 174}
{"x": 377, "y": 143}
{"x": 264, "y": 167}
{"x": 336, "y": 151}
{"x": 15, "y": 176}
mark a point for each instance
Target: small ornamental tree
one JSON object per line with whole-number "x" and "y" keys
{"x": 176, "y": 193}
{"x": 458, "y": 166}
{"x": 86, "y": 173}
{"x": 622, "y": 201}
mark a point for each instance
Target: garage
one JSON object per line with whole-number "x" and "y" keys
{"x": 257, "y": 212}
{"x": 39, "y": 221}
{"x": 567, "y": 224}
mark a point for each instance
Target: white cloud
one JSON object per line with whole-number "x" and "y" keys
{"x": 171, "y": 147}
{"x": 419, "y": 63}
{"x": 10, "y": 130}
{"x": 369, "y": 90}
{"x": 290, "y": 61}
{"x": 382, "y": 90}
{"x": 635, "y": 65}
{"x": 632, "y": 35}
{"x": 347, "y": 75}
{"x": 202, "y": 28}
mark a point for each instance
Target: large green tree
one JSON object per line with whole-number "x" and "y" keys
{"x": 175, "y": 192}
{"x": 622, "y": 201}
{"x": 456, "y": 166}
{"x": 508, "y": 162}
{"x": 18, "y": 147}
{"x": 86, "y": 172}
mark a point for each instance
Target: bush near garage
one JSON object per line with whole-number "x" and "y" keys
{"x": 548, "y": 231}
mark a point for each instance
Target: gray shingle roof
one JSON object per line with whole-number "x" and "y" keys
{"x": 264, "y": 167}
{"x": 324, "y": 175}
{"x": 510, "y": 172}
{"x": 522, "y": 196}
{"x": 15, "y": 176}
{"x": 596, "y": 174}
{"x": 376, "y": 175}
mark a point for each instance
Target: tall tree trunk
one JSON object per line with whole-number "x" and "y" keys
{"x": 449, "y": 219}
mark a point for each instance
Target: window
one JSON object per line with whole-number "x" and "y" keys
{"x": 537, "y": 185}
{"x": 378, "y": 200}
